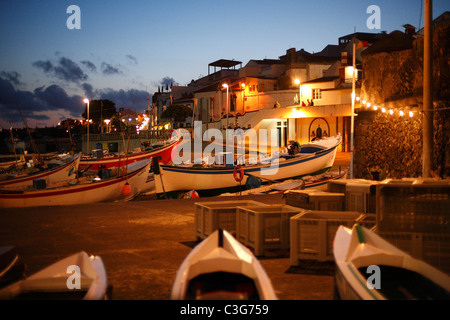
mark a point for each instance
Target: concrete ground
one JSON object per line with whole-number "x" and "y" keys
{"x": 143, "y": 243}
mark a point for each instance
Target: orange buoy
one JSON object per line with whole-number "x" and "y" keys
{"x": 126, "y": 189}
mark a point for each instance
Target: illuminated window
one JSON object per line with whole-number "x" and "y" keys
{"x": 316, "y": 94}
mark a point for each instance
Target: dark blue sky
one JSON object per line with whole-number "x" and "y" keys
{"x": 125, "y": 49}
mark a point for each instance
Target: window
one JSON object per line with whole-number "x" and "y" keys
{"x": 316, "y": 94}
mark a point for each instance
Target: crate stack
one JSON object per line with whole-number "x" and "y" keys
{"x": 414, "y": 215}
{"x": 265, "y": 228}
{"x": 345, "y": 202}
{"x": 212, "y": 215}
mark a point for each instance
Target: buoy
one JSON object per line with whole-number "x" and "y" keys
{"x": 126, "y": 189}
{"x": 238, "y": 173}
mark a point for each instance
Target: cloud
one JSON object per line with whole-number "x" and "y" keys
{"x": 13, "y": 77}
{"x": 65, "y": 69}
{"x": 132, "y": 59}
{"x": 128, "y": 99}
{"x": 88, "y": 90}
{"x": 89, "y": 65}
{"x": 108, "y": 69}
{"x": 42, "y": 99}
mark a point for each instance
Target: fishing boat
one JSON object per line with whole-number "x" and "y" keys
{"x": 117, "y": 160}
{"x": 81, "y": 191}
{"x": 59, "y": 281}
{"x": 13, "y": 163}
{"x": 64, "y": 167}
{"x": 315, "y": 158}
{"x": 370, "y": 268}
{"x": 221, "y": 268}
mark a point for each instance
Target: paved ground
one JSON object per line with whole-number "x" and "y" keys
{"x": 142, "y": 244}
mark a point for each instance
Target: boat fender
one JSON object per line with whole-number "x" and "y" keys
{"x": 126, "y": 189}
{"x": 239, "y": 177}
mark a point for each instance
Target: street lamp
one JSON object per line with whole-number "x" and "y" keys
{"x": 86, "y": 100}
{"x": 297, "y": 82}
{"x": 226, "y": 86}
{"x": 107, "y": 125}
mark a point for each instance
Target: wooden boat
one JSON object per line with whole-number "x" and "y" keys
{"x": 221, "y": 268}
{"x": 8, "y": 164}
{"x": 54, "y": 282}
{"x": 316, "y": 157}
{"x": 359, "y": 252}
{"x": 62, "y": 168}
{"x": 80, "y": 191}
{"x": 117, "y": 160}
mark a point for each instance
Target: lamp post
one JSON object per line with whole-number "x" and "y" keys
{"x": 107, "y": 125}
{"x": 353, "y": 110}
{"x": 86, "y": 100}
{"x": 226, "y": 86}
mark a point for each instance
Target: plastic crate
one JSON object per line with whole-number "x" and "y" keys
{"x": 431, "y": 248}
{"x": 360, "y": 194}
{"x": 265, "y": 228}
{"x": 213, "y": 215}
{"x": 312, "y": 234}
{"x": 316, "y": 200}
{"x": 413, "y": 207}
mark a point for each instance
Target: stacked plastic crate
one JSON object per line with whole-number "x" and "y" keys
{"x": 414, "y": 215}
{"x": 212, "y": 215}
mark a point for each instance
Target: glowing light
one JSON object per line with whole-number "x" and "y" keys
{"x": 391, "y": 112}
{"x": 401, "y": 113}
{"x": 297, "y": 82}
{"x": 411, "y": 114}
{"x": 357, "y": 98}
{"x": 383, "y": 110}
{"x": 368, "y": 104}
{"x": 364, "y": 102}
{"x": 375, "y": 108}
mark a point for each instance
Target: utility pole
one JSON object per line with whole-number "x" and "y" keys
{"x": 352, "y": 125}
{"x": 427, "y": 119}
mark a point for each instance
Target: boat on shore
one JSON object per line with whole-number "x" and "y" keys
{"x": 370, "y": 268}
{"x": 55, "y": 282}
{"x": 221, "y": 268}
{"x": 61, "y": 168}
{"x": 315, "y": 158}
{"x": 118, "y": 160}
{"x": 81, "y": 191}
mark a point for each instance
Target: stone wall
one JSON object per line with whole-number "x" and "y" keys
{"x": 392, "y": 145}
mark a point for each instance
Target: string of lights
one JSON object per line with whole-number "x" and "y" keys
{"x": 401, "y": 112}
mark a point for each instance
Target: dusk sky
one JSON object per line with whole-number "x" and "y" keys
{"x": 126, "y": 49}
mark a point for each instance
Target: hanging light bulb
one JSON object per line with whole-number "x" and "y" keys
{"x": 375, "y": 108}
{"x": 391, "y": 112}
{"x": 411, "y": 114}
{"x": 383, "y": 110}
{"x": 401, "y": 113}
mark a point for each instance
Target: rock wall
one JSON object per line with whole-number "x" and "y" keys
{"x": 389, "y": 145}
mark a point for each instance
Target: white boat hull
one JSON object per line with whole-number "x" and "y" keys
{"x": 400, "y": 275}
{"x": 105, "y": 190}
{"x": 53, "y": 282}
{"x": 222, "y": 254}
{"x": 65, "y": 172}
{"x": 218, "y": 180}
